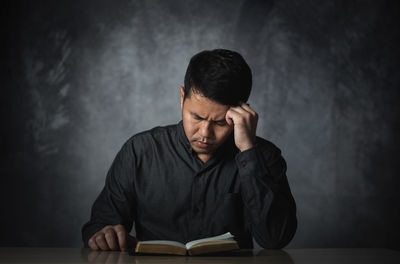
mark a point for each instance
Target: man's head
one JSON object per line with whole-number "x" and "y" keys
{"x": 220, "y": 75}
{"x": 214, "y": 81}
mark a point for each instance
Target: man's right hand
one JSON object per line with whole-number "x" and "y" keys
{"x": 112, "y": 238}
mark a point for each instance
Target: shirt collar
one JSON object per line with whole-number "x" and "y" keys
{"x": 182, "y": 137}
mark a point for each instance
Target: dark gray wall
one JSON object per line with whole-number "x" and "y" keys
{"x": 80, "y": 77}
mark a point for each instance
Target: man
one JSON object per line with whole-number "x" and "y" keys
{"x": 205, "y": 176}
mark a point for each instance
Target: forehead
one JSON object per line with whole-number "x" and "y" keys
{"x": 205, "y": 107}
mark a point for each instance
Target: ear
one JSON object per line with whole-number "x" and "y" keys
{"x": 182, "y": 96}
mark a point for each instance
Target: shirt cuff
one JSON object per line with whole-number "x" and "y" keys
{"x": 247, "y": 160}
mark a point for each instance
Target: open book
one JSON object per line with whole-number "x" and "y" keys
{"x": 219, "y": 243}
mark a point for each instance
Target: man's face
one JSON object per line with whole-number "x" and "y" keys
{"x": 204, "y": 124}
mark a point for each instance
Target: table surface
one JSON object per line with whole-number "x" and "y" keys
{"x": 76, "y": 255}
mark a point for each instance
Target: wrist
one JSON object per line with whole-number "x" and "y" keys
{"x": 246, "y": 148}
{"x": 248, "y": 145}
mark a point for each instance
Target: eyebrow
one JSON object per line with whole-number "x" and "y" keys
{"x": 199, "y": 117}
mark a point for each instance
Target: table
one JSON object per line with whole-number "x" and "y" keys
{"x": 310, "y": 256}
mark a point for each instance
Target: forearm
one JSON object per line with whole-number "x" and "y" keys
{"x": 107, "y": 210}
{"x": 276, "y": 228}
{"x": 269, "y": 206}
{"x": 115, "y": 204}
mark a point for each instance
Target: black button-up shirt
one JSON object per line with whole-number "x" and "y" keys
{"x": 157, "y": 182}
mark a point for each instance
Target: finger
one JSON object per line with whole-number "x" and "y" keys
{"x": 111, "y": 239}
{"x": 236, "y": 115}
{"x": 121, "y": 234}
{"x": 92, "y": 243}
{"x": 101, "y": 241}
{"x": 229, "y": 120}
{"x": 231, "y": 116}
{"x": 245, "y": 115}
{"x": 249, "y": 109}
{"x": 239, "y": 109}
{"x": 249, "y": 116}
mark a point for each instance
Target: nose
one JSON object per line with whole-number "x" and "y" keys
{"x": 206, "y": 129}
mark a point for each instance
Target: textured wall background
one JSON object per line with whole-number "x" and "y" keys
{"x": 80, "y": 77}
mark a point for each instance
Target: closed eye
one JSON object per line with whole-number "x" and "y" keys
{"x": 221, "y": 123}
{"x": 217, "y": 122}
{"x": 197, "y": 117}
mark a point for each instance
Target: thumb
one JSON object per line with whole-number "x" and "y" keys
{"x": 228, "y": 118}
{"x": 122, "y": 236}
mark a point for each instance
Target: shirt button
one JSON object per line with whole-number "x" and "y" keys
{"x": 243, "y": 164}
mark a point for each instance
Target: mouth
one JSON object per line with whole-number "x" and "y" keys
{"x": 202, "y": 144}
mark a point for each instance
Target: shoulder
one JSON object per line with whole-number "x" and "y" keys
{"x": 151, "y": 136}
{"x": 155, "y": 133}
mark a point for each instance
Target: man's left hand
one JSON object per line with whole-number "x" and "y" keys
{"x": 244, "y": 121}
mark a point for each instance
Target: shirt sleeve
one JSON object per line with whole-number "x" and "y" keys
{"x": 270, "y": 208}
{"x": 116, "y": 202}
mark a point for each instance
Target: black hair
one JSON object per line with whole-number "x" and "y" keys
{"x": 220, "y": 75}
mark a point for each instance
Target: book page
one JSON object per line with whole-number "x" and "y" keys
{"x": 162, "y": 242}
{"x": 227, "y": 236}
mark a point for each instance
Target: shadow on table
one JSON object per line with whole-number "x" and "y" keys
{"x": 105, "y": 257}
{"x": 261, "y": 256}
{"x": 275, "y": 255}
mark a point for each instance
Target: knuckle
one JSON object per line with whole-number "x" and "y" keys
{"x": 109, "y": 236}
{"x": 99, "y": 239}
{"x": 106, "y": 228}
{"x": 92, "y": 245}
{"x": 109, "y": 231}
{"x": 120, "y": 233}
{"x": 119, "y": 228}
